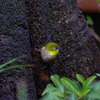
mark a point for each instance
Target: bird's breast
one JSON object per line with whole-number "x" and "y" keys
{"x": 46, "y": 56}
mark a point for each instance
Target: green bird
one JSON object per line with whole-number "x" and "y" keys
{"x": 50, "y": 52}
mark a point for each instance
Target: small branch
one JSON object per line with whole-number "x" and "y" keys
{"x": 95, "y": 35}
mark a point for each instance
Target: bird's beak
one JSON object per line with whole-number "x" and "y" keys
{"x": 59, "y": 48}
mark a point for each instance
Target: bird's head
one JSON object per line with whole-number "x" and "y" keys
{"x": 52, "y": 48}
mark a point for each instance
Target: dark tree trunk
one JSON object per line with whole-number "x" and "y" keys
{"x": 59, "y": 21}
{"x": 62, "y": 22}
{"x": 14, "y": 42}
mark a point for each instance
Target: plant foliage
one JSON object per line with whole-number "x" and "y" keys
{"x": 3, "y": 66}
{"x": 67, "y": 89}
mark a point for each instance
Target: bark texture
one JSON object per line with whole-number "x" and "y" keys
{"x": 14, "y": 42}
{"x": 59, "y": 21}
{"x": 62, "y": 22}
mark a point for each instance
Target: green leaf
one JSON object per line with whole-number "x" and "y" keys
{"x": 96, "y": 87}
{"x": 88, "y": 82}
{"x": 98, "y": 75}
{"x": 85, "y": 92}
{"x": 70, "y": 85}
{"x": 1, "y": 70}
{"x": 48, "y": 89}
{"x": 68, "y": 92}
{"x": 80, "y": 78}
{"x": 94, "y": 94}
{"x": 77, "y": 84}
{"x": 13, "y": 67}
{"x": 56, "y": 98}
{"x": 89, "y": 19}
{"x": 98, "y": 0}
{"x": 57, "y": 82}
{"x": 73, "y": 96}
{"x": 9, "y": 62}
{"x": 58, "y": 93}
{"x": 50, "y": 96}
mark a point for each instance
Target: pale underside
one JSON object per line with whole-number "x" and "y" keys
{"x": 47, "y": 57}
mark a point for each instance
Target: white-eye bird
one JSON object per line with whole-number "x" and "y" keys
{"x": 50, "y": 52}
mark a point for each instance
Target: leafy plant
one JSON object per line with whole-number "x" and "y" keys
{"x": 98, "y": 0}
{"x": 66, "y": 89}
{"x": 89, "y": 20}
{"x": 3, "y": 68}
{"x": 54, "y": 93}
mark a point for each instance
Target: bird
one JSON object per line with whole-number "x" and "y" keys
{"x": 50, "y": 52}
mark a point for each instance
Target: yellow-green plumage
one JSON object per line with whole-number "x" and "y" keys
{"x": 50, "y": 52}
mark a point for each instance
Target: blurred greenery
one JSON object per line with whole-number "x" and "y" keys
{"x": 67, "y": 89}
{"x": 3, "y": 68}
{"x": 98, "y": 0}
{"x": 89, "y": 19}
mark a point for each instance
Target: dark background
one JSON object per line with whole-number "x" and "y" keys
{"x": 96, "y": 19}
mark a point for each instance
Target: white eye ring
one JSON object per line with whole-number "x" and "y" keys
{"x": 54, "y": 48}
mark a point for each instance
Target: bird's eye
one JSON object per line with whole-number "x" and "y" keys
{"x": 54, "y": 48}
